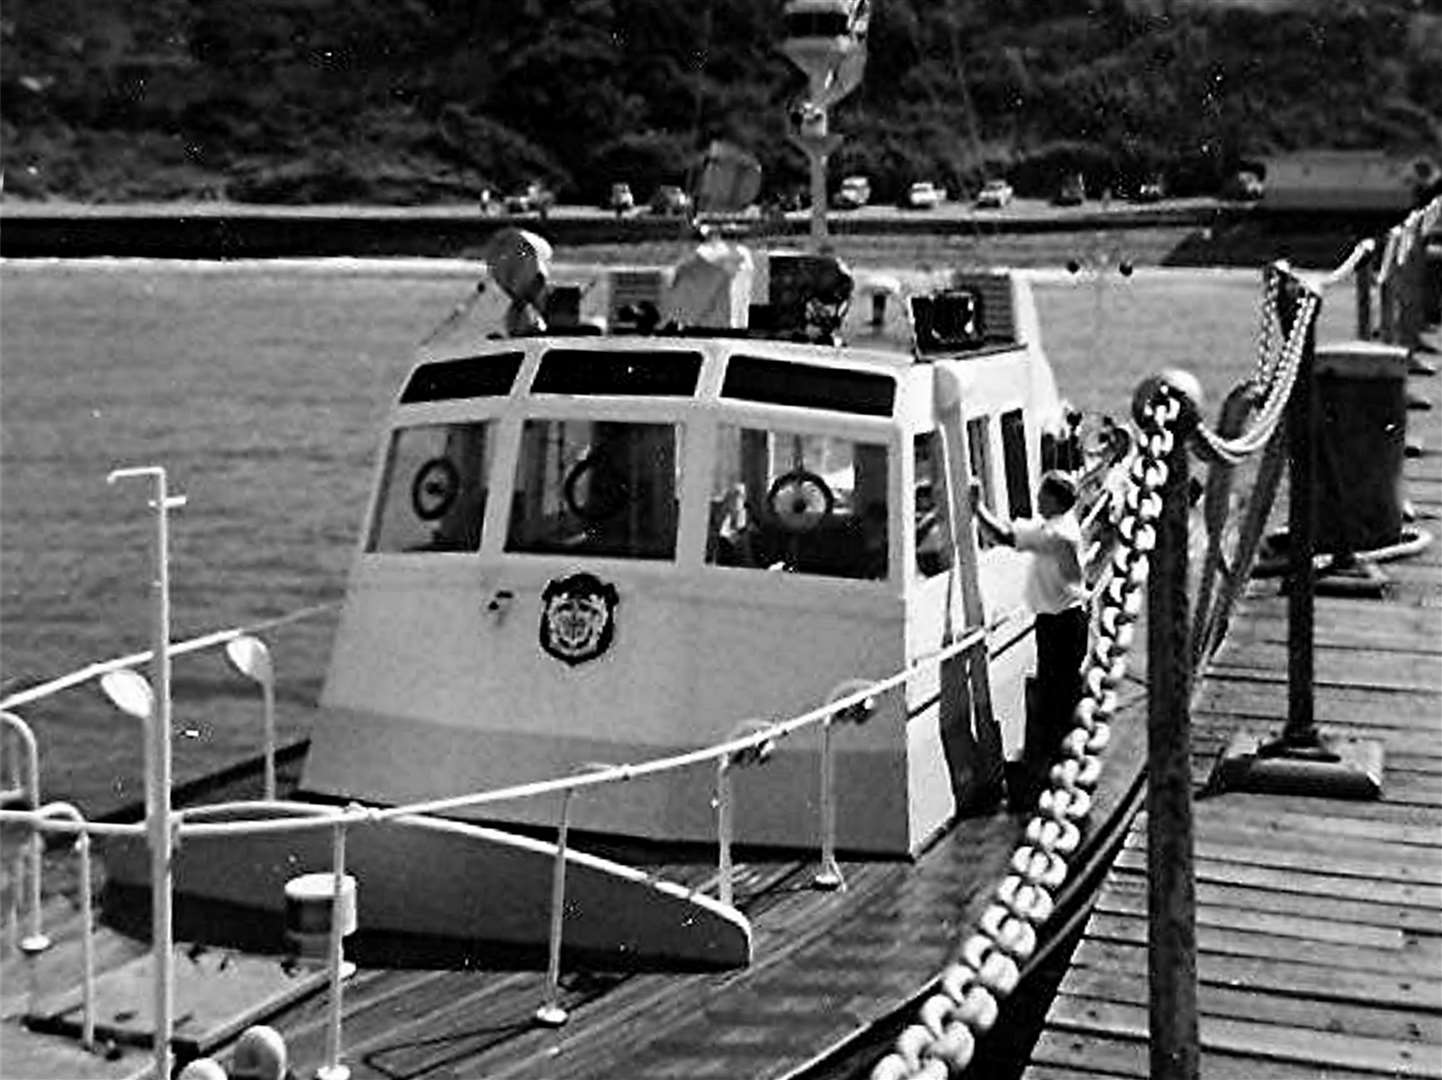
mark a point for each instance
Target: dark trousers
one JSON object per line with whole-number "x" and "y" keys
{"x": 1061, "y": 645}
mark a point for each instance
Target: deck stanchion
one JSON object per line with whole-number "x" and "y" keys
{"x": 551, "y": 1014}
{"x": 333, "y": 1069}
{"x": 754, "y": 754}
{"x": 36, "y": 941}
{"x": 1171, "y": 897}
{"x": 723, "y": 828}
{"x": 87, "y": 918}
{"x": 829, "y": 875}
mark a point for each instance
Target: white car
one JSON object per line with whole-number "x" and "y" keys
{"x": 924, "y": 195}
{"x": 994, "y": 193}
{"x": 855, "y": 192}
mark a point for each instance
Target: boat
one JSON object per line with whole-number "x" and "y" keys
{"x": 675, "y": 591}
{"x": 670, "y": 705}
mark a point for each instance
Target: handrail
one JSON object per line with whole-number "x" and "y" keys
{"x": 36, "y": 940}
{"x": 205, "y": 641}
{"x": 328, "y": 817}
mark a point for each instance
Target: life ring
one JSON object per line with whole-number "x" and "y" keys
{"x": 435, "y": 488}
{"x": 799, "y": 501}
{"x": 594, "y": 490}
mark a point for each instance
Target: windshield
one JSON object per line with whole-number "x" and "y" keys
{"x": 596, "y": 487}
{"x": 433, "y": 495}
{"x": 808, "y": 504}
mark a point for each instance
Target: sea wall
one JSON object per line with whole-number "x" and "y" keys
{"x": 1202, "y": 233}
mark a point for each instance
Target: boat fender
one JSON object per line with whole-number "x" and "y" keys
{"x": 892, "y": 1067}
{"x": 997, "y": 970}
{"x": 1038, "y": 867}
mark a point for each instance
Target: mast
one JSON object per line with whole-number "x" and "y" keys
{"x": 826, "y": 39}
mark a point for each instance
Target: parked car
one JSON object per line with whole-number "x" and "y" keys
{"x": 1243, "y": 185}
{"x": 670, "y": 201}
{"x": 855, "y": 192}
{"x": 923, "y": 195}
{"x": 621, "y": 200}
{"x": 1071, "y": 192}
{"x": 1149, "y": 190}
{"x": 534, "y": 198}
{"x": 995, "y": 193}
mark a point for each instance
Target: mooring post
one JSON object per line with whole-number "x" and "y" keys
{"x": 1171, "y": 897}
{"x": 1364, "y": 276}
{"x": 1301, "y": 727}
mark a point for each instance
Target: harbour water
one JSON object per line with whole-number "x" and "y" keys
{"x": 261, "y": 387}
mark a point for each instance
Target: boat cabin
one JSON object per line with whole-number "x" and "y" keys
{"x": 594, "y": 547}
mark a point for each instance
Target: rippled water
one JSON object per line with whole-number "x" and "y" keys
{"x": 261, "y": 388}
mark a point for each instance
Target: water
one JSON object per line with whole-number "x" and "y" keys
{"x": 261, "y": 387}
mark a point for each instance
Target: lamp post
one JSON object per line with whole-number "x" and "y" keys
{"x": 252, "y": 659}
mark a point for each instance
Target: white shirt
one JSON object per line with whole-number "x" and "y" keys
{"x": 1054, "y": 581}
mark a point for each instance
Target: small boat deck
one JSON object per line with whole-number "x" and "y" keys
{"x": 1319, "y": 921}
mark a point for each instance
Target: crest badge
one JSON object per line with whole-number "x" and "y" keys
{"x": 578, "y": 618}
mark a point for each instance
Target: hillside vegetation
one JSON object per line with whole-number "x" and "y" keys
{"x": 423, "y": 101}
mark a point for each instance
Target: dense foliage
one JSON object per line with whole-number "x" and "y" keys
{"x": 431, "y": 100}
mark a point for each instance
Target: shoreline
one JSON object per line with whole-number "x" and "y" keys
{"x": 1192, "y": 233}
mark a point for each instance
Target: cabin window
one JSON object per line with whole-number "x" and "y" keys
{"x": 933, "y": 541}
{"x": 978, "y": 456}
{"x": 808, "y": 504}
{"x": 1013, "y": 458}
{"x": 596, "y": 487}
{"x": 433, "y": 492}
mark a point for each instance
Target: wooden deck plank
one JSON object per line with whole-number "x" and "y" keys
{"x": 1314, "y": 981}
{"x": 1303, "y": 1046}
{"x": 1127, "y": 892}
{"x": 1403, "y": 954}
{"x": 1129, "y": 1058}
{"x": 1241, "y": 1002}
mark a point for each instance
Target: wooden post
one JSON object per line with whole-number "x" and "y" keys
{"x": 1171, "y": 898}
{"x": 1301, "y": 728}
{"x": 1365, "y": 276}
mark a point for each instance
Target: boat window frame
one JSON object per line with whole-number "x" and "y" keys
{"x": 1016, "y": 462}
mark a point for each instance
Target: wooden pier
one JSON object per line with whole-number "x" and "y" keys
{"x": 1318, "y": 920}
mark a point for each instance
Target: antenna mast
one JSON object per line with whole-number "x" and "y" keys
{"x": 826, "y": 39}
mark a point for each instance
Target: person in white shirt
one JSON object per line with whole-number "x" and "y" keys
{"x": 1057, "y": 594}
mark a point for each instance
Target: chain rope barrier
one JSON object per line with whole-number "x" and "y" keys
{"x": 965, "y": 1001}
{"x": 965, "y": 1004}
